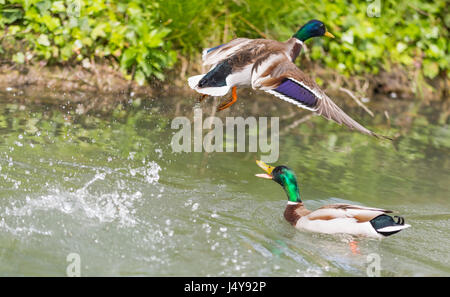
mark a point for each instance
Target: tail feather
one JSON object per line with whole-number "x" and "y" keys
{"x": 386, "y": 225}
{"x": 212, "y": 91}
{"x": 393, "y": 228}
{"x": 193, "y": 80}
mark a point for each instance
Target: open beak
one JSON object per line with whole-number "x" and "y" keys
{"x": 266, "y": 168}
{"x": 328, "y": 34}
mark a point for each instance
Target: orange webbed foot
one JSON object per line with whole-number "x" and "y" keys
{"x": 202, "y": 97}
{"x": 354, "y": 247}
{"x": 229, "y": 102}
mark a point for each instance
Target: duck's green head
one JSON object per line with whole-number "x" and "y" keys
{"x": 283, "y": 176}
{"x": 313, "y": 28}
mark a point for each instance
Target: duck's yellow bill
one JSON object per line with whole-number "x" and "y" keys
{"x": 266, "y": 168}
{"x": 328, "y": 34}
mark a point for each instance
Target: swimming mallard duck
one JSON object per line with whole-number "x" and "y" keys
{"x": 268, "y": 65}
{"x": 334, "y": 218}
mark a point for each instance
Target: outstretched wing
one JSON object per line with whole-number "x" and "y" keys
{"x": 280, "y": 77}
{"x": 294, "y": 92}
{"x": 212, "y": 56}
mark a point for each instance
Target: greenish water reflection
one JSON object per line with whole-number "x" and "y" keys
{"x": 109, "y": 187}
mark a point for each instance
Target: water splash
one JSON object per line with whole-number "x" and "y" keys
{"x": 109, "y": 196}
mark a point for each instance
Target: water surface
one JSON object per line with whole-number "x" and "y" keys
{"x": 108, "y": 187}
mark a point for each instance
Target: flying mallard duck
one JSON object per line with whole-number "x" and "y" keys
{"x": 334, "y": 218}
{"x": 268, "y": 65}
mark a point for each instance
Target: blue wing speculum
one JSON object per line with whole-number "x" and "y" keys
{"x": 214, "y": 48}
{"x": 294, "y": 92}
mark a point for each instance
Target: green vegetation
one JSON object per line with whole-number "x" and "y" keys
{"x": 123, "y": 32}
{"x": 143, "y": 38}
{"x": 410, "y": 33}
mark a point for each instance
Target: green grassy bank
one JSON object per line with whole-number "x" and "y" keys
{"x": 145, "y": 39}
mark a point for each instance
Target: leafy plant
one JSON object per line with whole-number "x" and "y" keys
{"x": 144, "y": 37}
{"x": 72, "y": 31}
{"x": 413, "y": 34}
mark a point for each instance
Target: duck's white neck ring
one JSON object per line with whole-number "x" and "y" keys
{"x": 292, "y": 203}
{"x": 299, "y": 41}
